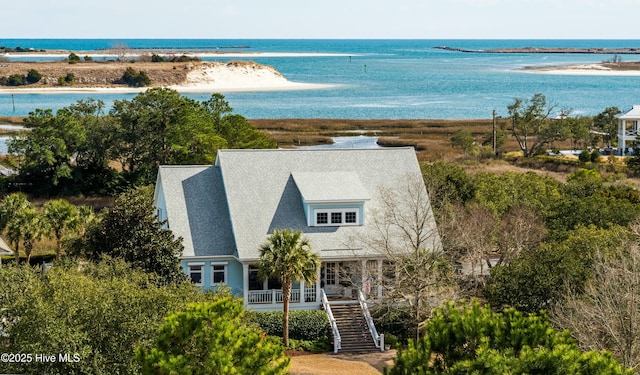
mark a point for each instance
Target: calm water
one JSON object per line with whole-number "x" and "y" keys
{"x": 383, "y": 78}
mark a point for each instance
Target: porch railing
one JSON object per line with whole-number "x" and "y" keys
{"x": 270, "y": 296}
{"x": 378, "y": 339}
{"x": 337, "y": 341}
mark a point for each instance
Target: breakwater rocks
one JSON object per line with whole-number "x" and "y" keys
{"x": 610, "y": 51}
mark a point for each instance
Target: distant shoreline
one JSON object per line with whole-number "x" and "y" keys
{"x": 591, "y": 50}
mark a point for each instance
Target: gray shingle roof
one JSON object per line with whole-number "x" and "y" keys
{"x": 238, "y": 202}
{"x": 330, "y": 186}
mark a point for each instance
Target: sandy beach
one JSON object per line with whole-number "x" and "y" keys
{"x": 200, "y": 77}
{"x": 602, "y": 69}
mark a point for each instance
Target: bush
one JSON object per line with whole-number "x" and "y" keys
{"x": 33, "y": 76}
{"x": 303, "y": 324}
{"x": 135, "y": 79}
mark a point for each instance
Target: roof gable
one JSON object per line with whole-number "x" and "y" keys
{"x": 330, "y": 186}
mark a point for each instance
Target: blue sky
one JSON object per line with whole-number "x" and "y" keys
{"x": 412, "y": 19}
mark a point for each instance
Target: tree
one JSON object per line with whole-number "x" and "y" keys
{"x": 464, "y": 139}
{"x": 537, "y": 279}
{"x": 61, "y": 216}
{"x": 11, "y": 208}
{"x": 33, "y": 76}
{"x": 606, "y": 316}
{"x": 607, "y": 122}
{"x": 287, "y": 256}
{"x": 471, "y": 339}
{"x": 97, "y": 313}
{"x": 531, "y": 124}
{"x": 131, "y": 231}
{"x": 212, "y": 338}
{"x": 418, "y": 273}
{"x": 29, "y": 227}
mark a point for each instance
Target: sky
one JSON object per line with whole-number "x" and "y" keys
{"x": 326, "y": 19}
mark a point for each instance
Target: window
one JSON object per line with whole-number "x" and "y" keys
{"x": 336, "y": 217}
{"x": 350, "y": 217}
{"x": 218, "y": 274}
{"x": 195, "y": 273}
{"x": 330, "y": 273}
{"x": 322, "y": 218}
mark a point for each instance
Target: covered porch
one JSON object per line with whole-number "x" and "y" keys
{"x": 340, "y": 279}
{"x": 628, "y": 125}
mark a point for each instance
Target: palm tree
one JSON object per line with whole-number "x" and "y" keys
{"x": 11, "y": 207}
{"x": 33, "y": 227}
{"x": 287, "y": 256}
{"x": 60, "y": 216}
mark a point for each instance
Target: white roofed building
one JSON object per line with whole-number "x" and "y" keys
{"x": 628, "y": 124}
{"x": 224, "y": 212}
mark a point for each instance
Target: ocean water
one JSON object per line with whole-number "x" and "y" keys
{"x": 380, "y": 78}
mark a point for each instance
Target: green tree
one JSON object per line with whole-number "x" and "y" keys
{"x": 48, "y": 149}
{"x": 28, "y": 226}
{"x": 33, "y": 76}
{"x": 130, "y": 231}
{"x": 11, "y": 208}
{"x": 287, "y": 256}
{"x": 607, "y": 122}
{"x": 531, "y": 124}
{"x": 537, "y": 279}
{"x": 73, "y": 58}
{"x": 464, "y": 139}
{"x": 61, "y": 217}
{"x": 212, "y": 338}
{"x": 99, "y": 312}
{"x": 143, "y": 127}
{"x": 471, "y": 339}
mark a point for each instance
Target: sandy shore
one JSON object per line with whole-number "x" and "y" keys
{"x": 583, "y": 70}
{"x": 202, "y": 77}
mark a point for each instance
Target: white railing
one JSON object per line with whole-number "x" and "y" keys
{"x": 378, "y": 340}
{"x": 269, "y": 296}
{"x": 337, "y": 341}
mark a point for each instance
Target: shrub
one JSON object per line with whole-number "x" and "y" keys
{"x": 157, "y": 58}
{"x": 135, "y": 79}
{"x": 33, "y": 76}
{"x": 88, "y": 58}
{"x": 15, "y": 80}
{"x": 303, "y": 324}
{"x": 73, "y": 58}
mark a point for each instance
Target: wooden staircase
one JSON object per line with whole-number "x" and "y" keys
{"x": 352, "y": 326}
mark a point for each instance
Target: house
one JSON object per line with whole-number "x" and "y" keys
{"x": 628, "y": 124}
{"x": 224, "y": 212}
{"x": 4, "y": 250}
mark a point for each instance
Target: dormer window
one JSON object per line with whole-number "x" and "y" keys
{"x": 336, "y": 217}
{"x": 332, "y": 199}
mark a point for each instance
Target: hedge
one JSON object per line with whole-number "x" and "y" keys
{"x": 303, "y": 324}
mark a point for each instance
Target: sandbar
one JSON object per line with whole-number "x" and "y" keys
{"x": 601, "y": 69}
{"x": 202, "y": 77}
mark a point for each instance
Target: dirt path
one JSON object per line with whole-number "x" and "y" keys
{"x": 340, "y": 364}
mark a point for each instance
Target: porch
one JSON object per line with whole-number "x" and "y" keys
{"x": 341, "y": 281}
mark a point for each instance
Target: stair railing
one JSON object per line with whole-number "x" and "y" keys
{"x": 337, "y": 341}
{"x": 378, "y": 339}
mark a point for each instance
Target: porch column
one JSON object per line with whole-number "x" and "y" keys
{"x": 301, "y": 291}
{"x": 318, "y": 296}
{"x": 245, "y": 283}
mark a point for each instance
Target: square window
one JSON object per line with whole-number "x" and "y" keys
{"x": 350, "y": 217}
{"x": 336, "y": 218}
{"x": 218, "y": 271}
{"x": 322, "y": 218}
{"x": 195, "y": 274}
